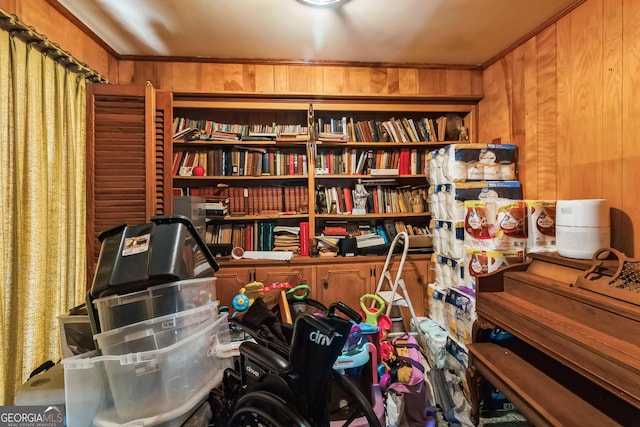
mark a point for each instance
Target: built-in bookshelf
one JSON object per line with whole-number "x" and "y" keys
{"x": 272, "y": 164}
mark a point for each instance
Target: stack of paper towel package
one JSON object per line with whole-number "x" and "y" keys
{"x": 480, "y": 222}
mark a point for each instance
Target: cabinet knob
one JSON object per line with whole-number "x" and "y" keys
{"x": 325, "y": 283}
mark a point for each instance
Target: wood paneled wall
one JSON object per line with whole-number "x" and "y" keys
{"x": 570, "y": 99}
{"x": 273, "y": 79}
{"x": 567, "y": 97}
{"x": 47, "y": 21}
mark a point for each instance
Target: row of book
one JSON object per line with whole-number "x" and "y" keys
{"x": 260, "y": 236}
{"x": 352, "y": 161}
{"x": 212, "y": 130}
{"x": 425, "y": 129}
{"x": 263, "y": 200}
{"x": 364, "y": 231}
{"x": 269, "y": 236}
{"x": 256, "y": 236}
{"x": 239, "y": 161}
{"x": 380, "y": 199}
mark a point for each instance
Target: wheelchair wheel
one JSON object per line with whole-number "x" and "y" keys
{"x": 263, "y": 409}
{"x": 352, "y": 403}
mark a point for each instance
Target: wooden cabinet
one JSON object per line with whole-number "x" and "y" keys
{"x": 231, "y": 279}
{"x": 343, "y": 279}
{"x": 287, "y": 274}
{"x": 344, "y": 282}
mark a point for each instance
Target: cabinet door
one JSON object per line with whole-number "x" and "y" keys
{"x": 345, "y": 283}
{"x": 292, "y": 275}
{"x": 229, "y": 282}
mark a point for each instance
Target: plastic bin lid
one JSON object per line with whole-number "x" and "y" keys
{"x": 164, "y": 250}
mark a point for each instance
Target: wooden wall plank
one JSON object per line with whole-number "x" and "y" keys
{"x": 265, "y": 79}
{"x": 493, "y": 109}
{"x": 10, "y": 6}
{"x": 281, "y": 77}
{"x": 528, "y": 155}
{"x": 586, "y": 95}
{"x": 612, "y": 119}
{"x": 233, "y": 78}
{"x": 379, "y": 81}
{"x": 546, "y": 117}
{"x": 630, "y": 158}
{"x": 358, "y": 80}
{"x": 126, "y": 72}
{"x": 461, "y": 82}
{"x": 563, "y": 92}
{"x": 408, "y": 82}
{"x": 432, "y": 82}
{"x": 304, "y": 79}
{"x": 194, "y": 77}
{"x": 333, "y": 79}
{"x": 518, "y": 113}
{"x": 393, "y": 81}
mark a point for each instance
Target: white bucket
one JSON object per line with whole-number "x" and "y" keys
{"x": 582, "y": 227}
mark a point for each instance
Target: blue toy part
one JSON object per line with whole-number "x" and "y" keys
{"x": 240, "y": 302}
{"x": 368, "y": 329}
{"x": 382, "y": 369}
{"x": 352, "y": 359}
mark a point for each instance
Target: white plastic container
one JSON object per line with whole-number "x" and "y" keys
{"x": 582, "y": 227}
{"x": 116, "y": 311}
{"x": 135, "y": 386}
{"x": 156, "y": 333}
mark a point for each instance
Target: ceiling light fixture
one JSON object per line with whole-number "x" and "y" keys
{"x": 322, "y": 3}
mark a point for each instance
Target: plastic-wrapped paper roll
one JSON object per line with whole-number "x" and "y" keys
{"x": 237, "y": 252}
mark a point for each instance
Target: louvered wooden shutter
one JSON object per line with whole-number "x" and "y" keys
{"x": 163, "y": 153}
{"x": 124, "y": 159}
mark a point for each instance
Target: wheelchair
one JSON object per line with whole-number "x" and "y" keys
{"x": 276, "y": 384}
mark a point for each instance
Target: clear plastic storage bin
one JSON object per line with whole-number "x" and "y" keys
{"x": 116, "y": 311}
{"x": 134, "y": 386}
{"x": 156, "y": 333}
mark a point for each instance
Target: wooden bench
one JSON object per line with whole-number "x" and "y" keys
{"x": 543, "y": 390}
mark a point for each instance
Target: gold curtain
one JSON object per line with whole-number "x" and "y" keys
{"x": 42, "y": 205}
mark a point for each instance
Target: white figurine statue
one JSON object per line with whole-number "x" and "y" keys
{"x": 360, "y": 199}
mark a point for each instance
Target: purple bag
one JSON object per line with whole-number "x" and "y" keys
{"x": 409, "y": 406}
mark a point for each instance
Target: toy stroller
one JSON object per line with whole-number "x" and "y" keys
{"x": 277, "y": 384}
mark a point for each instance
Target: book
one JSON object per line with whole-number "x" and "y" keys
{"x": 390, "y": 226}
{"x": 383, "y": 233}
{"x": 348, "y": 200}
{"x": 369, "y": 240}
{"x": 183, "y": 133}
{"x": 188, "y": 163}
{"x": 304, "y": 238}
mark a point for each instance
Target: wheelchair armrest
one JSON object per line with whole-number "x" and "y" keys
{"x": 265, "y": 357}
